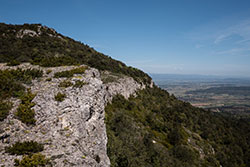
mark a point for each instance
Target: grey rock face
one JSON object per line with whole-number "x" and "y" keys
{"x": 73, "y": 131}
{"x": 31, "y": 33}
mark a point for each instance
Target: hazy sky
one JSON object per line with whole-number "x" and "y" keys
{"x": 157, "y": 36}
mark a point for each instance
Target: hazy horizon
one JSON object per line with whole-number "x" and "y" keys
{"x": 204, "y": 75}
{"x": 178, "y": 37}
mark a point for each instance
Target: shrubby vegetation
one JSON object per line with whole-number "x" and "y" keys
{"x": 34, "y": 160}
{"x": 22, "y": 148}
{"x": 4, "y": 109}
{"x": 110, "y": 77}
{"x": 65, "y": 84}
{"x": 150, "y": 130}
{"x": 54, "y": 61}
{"x": 79, "y": 84}
{"x": 60, "y": 96}
{"x": 13, "y": 63}
{"x": 70, "y": 73}
{"x": 49, "y": 79}
{"x": 48, "y": 71}
{"x": 24, "y": 112}
{"x": 11, "y": 81}
{"x": 11, "y": 85}
{"x": 49, "y": 51}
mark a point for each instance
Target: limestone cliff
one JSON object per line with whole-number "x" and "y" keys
{"x": 72, "y": 131}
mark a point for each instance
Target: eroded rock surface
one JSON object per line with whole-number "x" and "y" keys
{"x": 72, "y": 131}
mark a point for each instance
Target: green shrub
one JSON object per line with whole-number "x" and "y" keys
{"x": 4, "y": 109}
{"x": 185, "y": 154}
{"x": 177, "y": 136}
{"x": 65, "y": 84}
{"x": 79, "y": 70}
{"x": 35, "y": 160}
{"x": 27, "y": 147}
{"x": 13, "y": 63}
{"x": 11, "y": 81}
{"x": 108, "y": 77}
{"x": 24, "y": 112}
{"x": 48, "y": 71}
{"x": 48, "y": 79}
{"x": 54, "y": 61}
{"x": 70, "y": 73}
{"x": 66, "y": 74}
{"x": 9, "y": 86}
{"x": 79, "y": 84}
{"x": 60, "y": 96}
{"x": 27, "y": 75}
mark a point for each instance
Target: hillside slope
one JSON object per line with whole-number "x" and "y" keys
{"x": 155, "y": 129}
{"x": 43, "y": 46}
{"x": 73, "y": 106}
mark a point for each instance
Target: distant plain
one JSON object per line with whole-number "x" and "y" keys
{"x": 228, "y": 95}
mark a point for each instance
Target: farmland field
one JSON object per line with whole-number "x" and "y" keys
{"x": 218, "y": 94}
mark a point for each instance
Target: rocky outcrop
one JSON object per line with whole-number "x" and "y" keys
{"x": 38, "y": 32}
{"x": 30, "y": 33}
{"x": 72, "y": 131}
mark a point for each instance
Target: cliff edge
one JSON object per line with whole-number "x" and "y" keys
{"x": 72, "y": 131}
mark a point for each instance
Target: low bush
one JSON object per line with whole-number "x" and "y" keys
{"x": 4, "y": 109}
{"x": 79, "y": 70}
{"x": 60, "y": 96}
{"x": 54, "y": 61}
{"x": 27, "y": 75}
{"x": 48, "y": 71}
{"x": 9, "y": 86}
{"x": 12, "y": 80}
{"x": 13, "y": 63}
{"x": 79, "y": 84}
{"x": 108, "y": 77}
{"x": 185, "y": 154}
{"x": 35, "y": 160}
{"x": 48, "y": 79}
{"x": 70, "y": 73}
{"x": 22, "y": 148}
{"x": 65, "y": 84}
{"x": 24, "y": 112}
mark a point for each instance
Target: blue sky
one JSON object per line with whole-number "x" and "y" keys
{"x": 209, "y": 37}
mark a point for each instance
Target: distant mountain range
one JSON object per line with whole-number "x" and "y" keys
{"x": 163, "y": 78}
